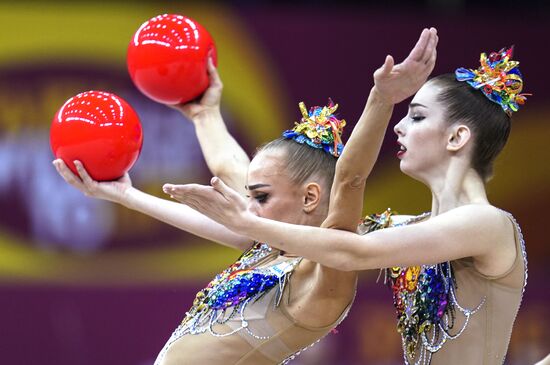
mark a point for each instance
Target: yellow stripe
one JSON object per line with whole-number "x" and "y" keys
{"x": 59, "y": 33}
{"x": 36, "y": 34}
{"x": 199, "y": 260}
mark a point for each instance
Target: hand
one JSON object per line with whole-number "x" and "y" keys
{"x": 218, "y": 202}
{"x": 110, "y": 190}
{"x": 395, "y": 83}
{"x": 210, "y": 100}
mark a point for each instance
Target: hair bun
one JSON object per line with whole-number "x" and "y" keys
{"x": 319, "y": 128}
{"x": 499, "y": 78}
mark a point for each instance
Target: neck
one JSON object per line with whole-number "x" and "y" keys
{"x": 459, "y": 185}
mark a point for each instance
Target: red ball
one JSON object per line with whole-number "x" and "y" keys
{"x": 99, "y": 129}
{"x": 167, "y": 58}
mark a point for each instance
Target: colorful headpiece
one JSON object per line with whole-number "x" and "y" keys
{"x": 498, "y": 78}
{"x": 319, "y": 128}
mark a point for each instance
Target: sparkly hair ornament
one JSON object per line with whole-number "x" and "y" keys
{"x": 319, "y": 128}
{"x": 498, "y": 78}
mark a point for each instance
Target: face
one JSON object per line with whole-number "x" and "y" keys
{"x": 423, "y": 134}
{"x": 271, "y": 192}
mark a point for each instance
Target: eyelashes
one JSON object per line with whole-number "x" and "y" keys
{"x": 261, "y": 198}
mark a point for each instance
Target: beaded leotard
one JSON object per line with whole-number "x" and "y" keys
{"x": 453, "y": 302}
{"x": 241, "y": 317}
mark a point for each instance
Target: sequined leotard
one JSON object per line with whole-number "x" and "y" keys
{"x": 241, "y": 317}
{"x": 450, "y": 313}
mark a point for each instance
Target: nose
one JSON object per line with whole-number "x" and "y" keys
{"x": 398, "y": 129}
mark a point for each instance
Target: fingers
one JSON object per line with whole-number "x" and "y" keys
{"x": 431, "y": 47}
{"x": 434, "y": 32}
{"x": 432, "y": 59}
{"x": 182, "y": 193}
{"x": 170, "y": 190}
{"x": 203, "y": 199}
{"x": 419, "y": 48}
{"x": 388, "y": 65}
{"x": 215, "y": 79}
{"x": 385, "y": 69}
{"x": 84, "y": 176}
{"x": 223, "y": 189}
{"x": 67, "y": 174}
{"x": 212, "y": 96}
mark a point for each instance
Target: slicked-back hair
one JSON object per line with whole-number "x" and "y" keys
{"x": 489, "y": 124}
{"x": 304, "y": 162}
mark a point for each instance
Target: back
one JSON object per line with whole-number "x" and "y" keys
{"x": 253, "y": 312}
{"x": 450, "y": 313}
{"x": 485, "y": 339}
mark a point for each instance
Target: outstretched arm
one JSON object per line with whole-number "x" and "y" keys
{"x": 451, "y": 235}
{"x": 175, "y": 214}
{"x": 224, "y": 156}
{"x": 393, "y": 84}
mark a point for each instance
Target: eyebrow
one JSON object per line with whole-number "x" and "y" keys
{"x": 256, "y": 186}
{"x": 413, "y": 105}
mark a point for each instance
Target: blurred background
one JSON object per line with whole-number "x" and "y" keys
{"x": 87, "y": 282}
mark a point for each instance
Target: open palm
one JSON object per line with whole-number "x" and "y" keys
{"x": 398, "y": 82}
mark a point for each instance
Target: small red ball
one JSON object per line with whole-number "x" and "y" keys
{"x": 167, "y": 58}
{"x": 99, "y": 129}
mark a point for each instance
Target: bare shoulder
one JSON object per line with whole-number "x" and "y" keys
{"x": 483, "y": 215}
{"x": 484, "y": 222}
{"x": 491, "y": 226}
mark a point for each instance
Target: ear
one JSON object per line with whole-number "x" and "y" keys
{"x": 311, "y": 197}
{"x": 459, "y": 135}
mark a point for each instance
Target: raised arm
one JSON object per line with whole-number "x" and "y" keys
{"x": 355, "y": 164}
{"x": 175, "y": 214}
{"x": 393, "y": 84}
{"x": 224, "y": 156}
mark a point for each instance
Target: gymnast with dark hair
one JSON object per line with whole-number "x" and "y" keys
{"x": 458, "y": 272}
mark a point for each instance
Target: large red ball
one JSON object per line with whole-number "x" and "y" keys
{"x": 167, "y": 58}
{"x": 99, "y": 129}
